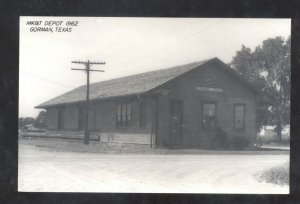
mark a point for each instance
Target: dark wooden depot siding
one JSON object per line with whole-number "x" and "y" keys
{"x": 102, "y": 118}
{"x": 176, "y": 108}
{"x": 185, "y": 89}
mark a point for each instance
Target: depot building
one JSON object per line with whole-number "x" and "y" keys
{"x": 177, "y": 107}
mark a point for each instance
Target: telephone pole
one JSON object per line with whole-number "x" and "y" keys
{"x": 88, "y": 64}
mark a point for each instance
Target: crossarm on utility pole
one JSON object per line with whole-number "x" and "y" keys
{"x": 94, "y": 70}
{"x": 78, "y": 69}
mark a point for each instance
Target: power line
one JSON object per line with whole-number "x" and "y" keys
{"x": 172, "y": 44}
{"x": 45, "y": 79}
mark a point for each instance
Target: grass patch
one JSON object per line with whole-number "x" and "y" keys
{"x": 78, "y": 146}
{"x": 117, "y": 148}
{"x": 277, "y": 175}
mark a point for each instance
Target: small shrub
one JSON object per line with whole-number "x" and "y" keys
{"x": 220, "y": 144}
{"x": 220, "y": 141}
{"x": 276, "y": 175}
{"x": 239, "y": 143}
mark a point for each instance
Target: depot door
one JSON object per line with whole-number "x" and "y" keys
{"x": 176, "y": 123}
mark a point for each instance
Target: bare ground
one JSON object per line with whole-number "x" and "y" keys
{"x": 43, "y": 170}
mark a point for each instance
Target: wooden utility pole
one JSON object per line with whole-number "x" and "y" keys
{"x": 88, "y": 64}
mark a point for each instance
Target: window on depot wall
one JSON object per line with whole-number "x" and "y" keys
{"x": 209, "y": 119}
{"x": 239, "y": 116}
{"x": 123, "y": 115}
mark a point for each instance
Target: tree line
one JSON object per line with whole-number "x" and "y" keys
{"x": 38, "y": 122}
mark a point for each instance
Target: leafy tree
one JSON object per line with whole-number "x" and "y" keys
{"x": 274, "y": 58}
{"x": 269, "y": 67}
{"x": 244, "y": 64}
{"x": 40, "y": 120}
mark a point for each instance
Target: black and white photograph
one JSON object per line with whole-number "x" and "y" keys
{"x": 154, "y": 105}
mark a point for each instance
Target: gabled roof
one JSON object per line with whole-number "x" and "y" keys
{"x": 142, "y": 83}
{"x": 130, "y": 85}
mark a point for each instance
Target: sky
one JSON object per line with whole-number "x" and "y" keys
{"x": 127, "y": 46}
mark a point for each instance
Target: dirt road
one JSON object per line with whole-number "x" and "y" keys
{"x": 43, "y": 170}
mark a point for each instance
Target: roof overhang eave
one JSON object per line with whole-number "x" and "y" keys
{"x": 92, "y": 100}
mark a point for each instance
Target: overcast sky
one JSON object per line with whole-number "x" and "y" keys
{"x": 128, "y": 46}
